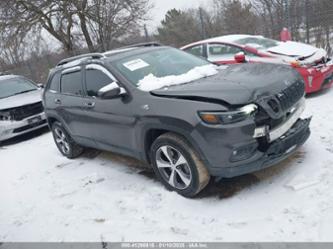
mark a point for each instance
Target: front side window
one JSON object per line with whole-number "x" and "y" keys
{"x": 71, "y": 83}
{"x": 222, "y": 52}
{"x": 196, "y": 50}
{"x": 14, "y": 86}
{"x": 163, "y": 64}
{"x": 97, "y": 77}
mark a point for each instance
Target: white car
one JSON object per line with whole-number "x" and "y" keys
{"x": 21, "y": 108}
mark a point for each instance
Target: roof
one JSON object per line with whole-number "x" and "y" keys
{"x": 225, "y": 39}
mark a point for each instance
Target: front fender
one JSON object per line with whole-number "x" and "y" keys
{"x": 164, "y": 124}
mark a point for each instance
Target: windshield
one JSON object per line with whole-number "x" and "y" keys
{"x": 14, "y": 86}
{"x": 259, "y": 43}
{"x": 165, "y": 63}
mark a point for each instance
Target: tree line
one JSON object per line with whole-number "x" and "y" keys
{"x": 30, "y": 29}
{"x": 308, "y": 20}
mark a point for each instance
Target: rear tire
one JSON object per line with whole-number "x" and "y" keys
{"x": 178, "y": 166}
{"x": 64, "y": 142}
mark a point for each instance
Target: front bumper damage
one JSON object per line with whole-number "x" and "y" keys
{"x": 277, "y": 151}
{"x": 268, "y": 146}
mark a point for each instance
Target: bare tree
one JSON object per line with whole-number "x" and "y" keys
{"x": 20, "y": 17}
{"x": 97, "y": 23}
{"x": 110, "y": 20}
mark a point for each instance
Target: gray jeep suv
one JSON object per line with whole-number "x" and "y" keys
{"x": 186, "y": 117}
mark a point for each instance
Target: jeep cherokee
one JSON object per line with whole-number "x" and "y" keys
{"x": 186, "y": 117}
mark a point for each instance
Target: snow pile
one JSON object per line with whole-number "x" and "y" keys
{"x": 151, "y": 82}
{"x": 291, "y": 48}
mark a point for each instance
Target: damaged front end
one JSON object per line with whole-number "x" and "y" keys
{"x": 280, "y": 114}
{"x": 279, "y": 131}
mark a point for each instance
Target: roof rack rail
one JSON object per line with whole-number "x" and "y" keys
{"x": 74, "y": 58}
{"x": 133, "y": 46}
{"x": 144, "y": 44}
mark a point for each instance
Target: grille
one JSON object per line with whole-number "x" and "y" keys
{"x": 22, "y": 112}
{"x": 262, "y": 119}
{"x": 290, "y": 96}
{"x": 274, "y": 110}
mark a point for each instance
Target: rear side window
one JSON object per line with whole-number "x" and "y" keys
{"x": 55, "y": 83}
{"x": 95, "y": 80}
{"x": 71, "y": 83}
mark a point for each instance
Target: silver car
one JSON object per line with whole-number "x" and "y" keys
{"x": 21, "y": 108}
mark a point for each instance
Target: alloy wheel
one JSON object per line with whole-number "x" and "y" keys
{"x": 173, "y": 167}
{"x": 61, "y": 140}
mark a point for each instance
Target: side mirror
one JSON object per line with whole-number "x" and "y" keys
{"x": 40, "y": 85}
{"x": 111, "y": 91}
{"x": 240, "y": 57}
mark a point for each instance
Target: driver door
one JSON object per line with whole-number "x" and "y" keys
{"x": 222, "y": 53}
{"x": 109, "y": 121}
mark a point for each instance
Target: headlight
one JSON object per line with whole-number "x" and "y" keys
{"x": 295, "y": 63}
{"x": 230, "y": 116}
{"x": 5, "y": 116}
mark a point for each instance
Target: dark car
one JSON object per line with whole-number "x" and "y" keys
{"x": 21, "y": 109}
{"x": 183, "y": 115}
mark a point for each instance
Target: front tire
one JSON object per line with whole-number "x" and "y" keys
{"x": 178, "y": 166}
{"x": 64, "y": 142}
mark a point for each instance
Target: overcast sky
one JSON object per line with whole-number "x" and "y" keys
{"x": 162, "y": 6}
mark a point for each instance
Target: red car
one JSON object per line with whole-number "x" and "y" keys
{"x": 312, "y": 63}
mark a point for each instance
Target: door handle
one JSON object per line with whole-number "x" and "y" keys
{"x": 57, "y": 101}
{"x": 90, "y": 104}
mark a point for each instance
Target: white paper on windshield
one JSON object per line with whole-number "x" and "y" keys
{"x": 135, "y": 64}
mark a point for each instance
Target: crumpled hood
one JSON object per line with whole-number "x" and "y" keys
{"x": 237, "y": 84}
{"x": 21, "y": 99}
{"x": 298, "y": 50}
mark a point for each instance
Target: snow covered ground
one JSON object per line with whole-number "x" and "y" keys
{"x": 46, "y": 197}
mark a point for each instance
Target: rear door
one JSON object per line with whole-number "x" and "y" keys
{"x": 110, "y": 121}
{"x": 70, "y": 102}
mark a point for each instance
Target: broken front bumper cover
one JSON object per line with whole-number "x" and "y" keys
{"x": 276, "y": 133}
{"x": 277, "y": 151}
